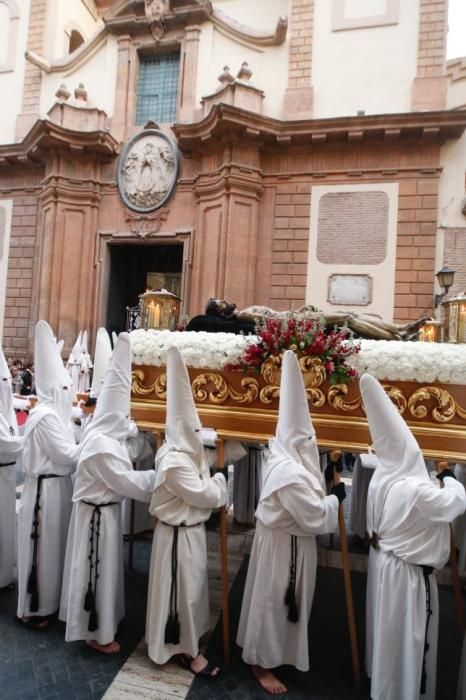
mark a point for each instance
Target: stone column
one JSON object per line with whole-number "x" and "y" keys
{"x": 298, "y": 102}
{"x": 188, "y": 74}
{"x": 430, "y": 84}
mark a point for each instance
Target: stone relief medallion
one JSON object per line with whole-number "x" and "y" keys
{"x": 147, "y": 171}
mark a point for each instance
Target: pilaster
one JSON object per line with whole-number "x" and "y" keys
{"x": 298, "y": 102}
{"x": 430, "y": 84}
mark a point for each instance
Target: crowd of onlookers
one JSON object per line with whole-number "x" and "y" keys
{"x": 22, "y": 376}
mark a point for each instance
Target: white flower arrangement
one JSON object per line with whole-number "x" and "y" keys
{"x": 198, "y": 348}
{"x": 386, "y": 360}
{"x": 393, "y": 360}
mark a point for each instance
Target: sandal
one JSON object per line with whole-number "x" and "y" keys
{"x": 38, "y": 624}
{"x": 207, "y": 672}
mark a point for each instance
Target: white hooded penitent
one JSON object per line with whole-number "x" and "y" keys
{"x": 111, "y": 416}
{"x": 182, "y": 427}
{"x": 53, "y": 382}
{"x": 397, "y": 451}
{"x": 6, "y": 394}
{"x": 295, "y": 438}
{"x": 102, "y": 355}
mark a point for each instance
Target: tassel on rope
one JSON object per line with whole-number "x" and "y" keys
{"x": 33, "y": 583}
{"x": 172, "y": 628}
{"x": 90, "y": 599}
{"x": 290, "y": 595}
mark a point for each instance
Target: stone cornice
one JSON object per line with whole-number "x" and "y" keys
{"x": 129, "y": 17}
{"x": 46, "y": 137}
{"x": 227, "y": 123}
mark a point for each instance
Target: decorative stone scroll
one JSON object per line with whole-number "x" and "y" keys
{"x": 147, "y": 171}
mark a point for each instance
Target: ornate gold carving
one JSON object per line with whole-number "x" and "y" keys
{"x": 442, "y": 413}
{"x": 336, "y": 398}
{"x": 223, "y": 390}
{"x": 397, "y": 397}
{"x": 158, "y": 388}
{"x": 215, "y": 388}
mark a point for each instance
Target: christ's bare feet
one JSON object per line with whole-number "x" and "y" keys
{"x": 268, "y": 681}
{"x": 110, "y": 648}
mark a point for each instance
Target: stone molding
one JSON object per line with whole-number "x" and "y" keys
{"x": 226, "y": 122}
{"x": 46, "y": 136}
{"x": 341, "y": 23}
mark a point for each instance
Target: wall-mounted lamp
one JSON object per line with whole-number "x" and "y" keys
{"x": 445, "y": 278}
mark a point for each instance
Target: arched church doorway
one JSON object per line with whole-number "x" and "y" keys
{"x": 136, "y": 268}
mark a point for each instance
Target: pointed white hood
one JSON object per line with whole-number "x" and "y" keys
{"x": 6, "y": 394}
{"x": 295, "y": 444}
{"x": 102, "y": 356}
{"x": 76, "y": 353}
{"x": 397, "y": 451}
{"x": 111, "y": 416}
{"x": 54, "y": 387}
{"x": 183, "y": 442}
{"x": 84, "y": 342}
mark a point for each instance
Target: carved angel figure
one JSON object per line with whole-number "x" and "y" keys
{"x": 156, "y": 10}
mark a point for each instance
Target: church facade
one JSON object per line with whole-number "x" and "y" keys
{"x": 280, "y": 152}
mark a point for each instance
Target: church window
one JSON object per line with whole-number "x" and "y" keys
{"x": 76, "y": 40}
{"x": 157, "y": 95}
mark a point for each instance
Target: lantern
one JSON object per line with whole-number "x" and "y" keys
{"x": 160, "y": 310}
{"x": 455, "y": 319}
{"x": 431, "y": 331}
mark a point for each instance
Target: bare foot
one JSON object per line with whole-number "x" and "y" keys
{"x": 268, "y": 681}
{"x": 110, "y": 648}
{"x": 201, "y": 666}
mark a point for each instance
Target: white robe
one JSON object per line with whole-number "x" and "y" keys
{"x": 48, "y": 449}
{"x": 105, "y": 476}
{"x": 396, "y": 592}
{"x": 183, "y": 497}
{"x": 268, "y": 638}
{"x": 10, "y": 449}
{"x": 141, "y": 451}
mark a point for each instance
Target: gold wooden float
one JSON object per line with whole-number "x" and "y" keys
{"x": 244, "y": 405}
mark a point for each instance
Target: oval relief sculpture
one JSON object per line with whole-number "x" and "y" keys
{"x": 148, "y": 170}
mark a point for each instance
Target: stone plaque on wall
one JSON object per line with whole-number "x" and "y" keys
{"x": 350, "y": 290}
{"x": 147, "y": 171}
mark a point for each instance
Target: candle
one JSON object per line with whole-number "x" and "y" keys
{"x": 462, "y": 325}
{"x": 157, "y": 316}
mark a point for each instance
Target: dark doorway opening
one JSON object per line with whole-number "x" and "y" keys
{"x": 133, "y": 268}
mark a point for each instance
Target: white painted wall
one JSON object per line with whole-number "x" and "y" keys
{"x": 11, "y": 83}
{"x": 61, "y": 13}
{"x": 6, "y": 208}
{"x": 98, "y": 75}
{"x": 383, "y": 274}
{"x": 269, "y": 64}
{"x": 369, "y": 69}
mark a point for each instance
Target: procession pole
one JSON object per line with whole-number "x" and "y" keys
{"x": 455, "y": 578}
{"x": 224, "y": 565}
{"x": 348, "y": 588}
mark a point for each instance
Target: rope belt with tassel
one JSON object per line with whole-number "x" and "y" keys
{"x": 33, "y": 582}
{"x": 91, "y": 593}
{"x": 290, "y": 595}
{"x": 172, "y": 628}
{"x": 426, "y": 571}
